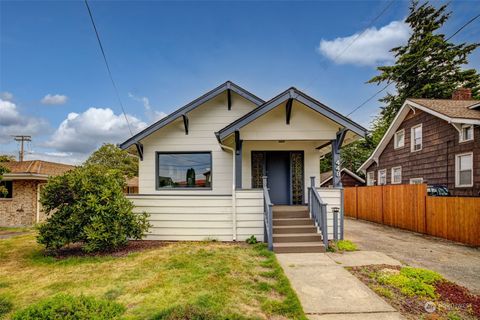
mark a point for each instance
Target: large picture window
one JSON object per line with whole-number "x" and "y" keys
{"x": 184, "y": 170}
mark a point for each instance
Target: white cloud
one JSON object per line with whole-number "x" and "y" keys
{"x": 6, "y": 96}
{"x": 82, "y": 133}
{"x": 55, "y": 99}
{"x": 14, "y": 123}
{"x": 59, "y": 157}
{"x": 370, "y": 47}
{"x": 153, "y": 115}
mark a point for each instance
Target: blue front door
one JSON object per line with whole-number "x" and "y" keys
{"x": 278, "y": 174}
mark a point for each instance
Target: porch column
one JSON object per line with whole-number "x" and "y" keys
{"x": 238, "y": 160}
{"x": 336, "y": 165}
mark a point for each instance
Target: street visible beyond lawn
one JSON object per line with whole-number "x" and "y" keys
{"x": 235, "y": 281}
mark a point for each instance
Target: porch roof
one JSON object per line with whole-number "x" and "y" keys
{"x": 292, "y": 94}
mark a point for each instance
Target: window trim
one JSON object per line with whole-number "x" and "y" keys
{"x": 460, "y": 134}
{"x": 378, "y": 177}
{"x": 395, "y": 139}
{"x": 419, "y": 178}
{"x": 157, "y": 153}
{"x": 372, "y": 179}
{"x": 412, "y": 138}
{"x": 392, "y": 175}
{"x": 457, "y": 172}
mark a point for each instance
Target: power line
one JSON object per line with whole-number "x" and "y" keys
{"x": 361, "y": 34}
{"x": 108, "y": 67}
{"x": 413, "y": 65}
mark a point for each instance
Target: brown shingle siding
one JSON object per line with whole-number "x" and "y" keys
{"x": 435, "y": 163}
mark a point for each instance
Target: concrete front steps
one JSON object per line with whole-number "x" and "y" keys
{"x": 294, "y": 231}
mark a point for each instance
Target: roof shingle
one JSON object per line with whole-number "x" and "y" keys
{"x": 451, "y": 108}
{"x": 37, "y": 167}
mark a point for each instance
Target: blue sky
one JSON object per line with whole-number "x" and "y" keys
{"x": 55, "y": 86}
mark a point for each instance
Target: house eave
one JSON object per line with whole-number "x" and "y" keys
{"x": 189, "y": 107}
{"x": 24, "y": 176}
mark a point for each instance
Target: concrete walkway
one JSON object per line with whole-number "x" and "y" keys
{"x": 328, "y": 291}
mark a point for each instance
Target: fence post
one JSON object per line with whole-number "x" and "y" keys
{"x": 335, "y": 223}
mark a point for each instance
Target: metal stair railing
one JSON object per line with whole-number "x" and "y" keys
{"x": 267, "y": 216}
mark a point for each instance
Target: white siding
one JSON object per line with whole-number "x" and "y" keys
{"x": 332, "y": 197}
{"x": 204, "y": 121}
{"x": 200, "y": 217}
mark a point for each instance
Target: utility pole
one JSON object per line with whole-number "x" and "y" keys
{"x": 22, "y": 139}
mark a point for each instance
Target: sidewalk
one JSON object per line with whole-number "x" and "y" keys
{"x": 327, "y": 291}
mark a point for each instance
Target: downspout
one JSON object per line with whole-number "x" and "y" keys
{"x": 234, "y": 195}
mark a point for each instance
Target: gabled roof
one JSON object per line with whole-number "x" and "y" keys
{"x": 295, "y": 94}
{"x": 455, "y": 109}
{"x": 452, "y": 111}
{"x": 191, "y": 106}
{"x": 327, "y": 176}
{"x": 35, "y": 168}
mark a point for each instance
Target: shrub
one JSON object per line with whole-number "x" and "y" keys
{"x": 5, "y": 306}
{"x": 87, "y": 205}
{"x": 70, "y": 307}
{"x": 252, "y": 240}
{"x": 346, "y": 245}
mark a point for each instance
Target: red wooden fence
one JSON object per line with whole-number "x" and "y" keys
{"x": 409, "y": 207}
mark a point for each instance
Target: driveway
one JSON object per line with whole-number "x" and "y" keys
{"x": 455, "y": 262}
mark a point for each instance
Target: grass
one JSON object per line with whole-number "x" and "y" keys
{"x": 6, "y": 230}
{"x": 209, "y": 278}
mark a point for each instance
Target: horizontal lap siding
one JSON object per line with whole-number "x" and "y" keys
{"x": 249, "y": 207}
{"x": 202, "y": 217}
{"x": 332, "y": 197}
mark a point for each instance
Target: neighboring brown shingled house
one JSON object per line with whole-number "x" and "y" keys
{"x": 430, "y": 141}
{"x": 24, "y": 181}
{"x": 348, "y": 179}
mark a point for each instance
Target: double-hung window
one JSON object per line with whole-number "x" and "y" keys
{"x": 399, "y": 139}
{"x": 184, "y": 170}
{"x": 396, "y": 175}
{"x": 466, "y": 133}
{"x": 370, "y": 178}
{"x": 464, "y": 170}
{"x": 382, "y": 177}
{"x": 416, "y": 138}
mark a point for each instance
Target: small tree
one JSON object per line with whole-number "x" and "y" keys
{"x": 110, "y": 156}
{"x": 87, "y": 205}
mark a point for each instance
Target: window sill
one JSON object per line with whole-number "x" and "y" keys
{"x": 6, "y": 199}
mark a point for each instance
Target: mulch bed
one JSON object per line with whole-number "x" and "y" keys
{"x": 75, "y": 250}
{"x": 451, "y": 298}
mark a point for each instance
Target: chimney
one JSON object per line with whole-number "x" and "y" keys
{"x": 462, "y": 94}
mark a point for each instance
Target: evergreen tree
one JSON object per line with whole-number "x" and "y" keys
{"x": 428, "y": 66}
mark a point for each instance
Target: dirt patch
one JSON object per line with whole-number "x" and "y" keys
{"x": 75, "y": 250}
{"x": 451, "y": 301}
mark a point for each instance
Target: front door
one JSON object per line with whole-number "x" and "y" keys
{"x": 284, "y": 171}
{"x": 278, "y": 175}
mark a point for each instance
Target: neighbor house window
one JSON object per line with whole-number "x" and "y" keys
{"x": 416, "y": 137}
{"x": 371, "y": 178}
{"x": 416, "y": 181}
{"x": 184, "y": 170}
{"x": 399, "y": 139}
{"x": 396, "y": 175}
{"x": 382, "y": 177}
{"x": 466, "y": 134}
{"x": 8, "y": 185}
{"x": 464, "y": 170}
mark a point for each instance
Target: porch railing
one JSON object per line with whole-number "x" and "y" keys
{"x": 318, "y": 211}
{"x": 267, "y": 215}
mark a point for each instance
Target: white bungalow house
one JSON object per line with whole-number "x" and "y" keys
{"x": 202, "y": 169}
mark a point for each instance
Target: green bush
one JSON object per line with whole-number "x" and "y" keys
{"x": 87, "y": 205}
{"x": 6, "y": 306}
{"x": 251, "y": 240}
{"x": 69, "y": 307}
{"x": 346, "y": 245}
{"x": 412, "y": 281}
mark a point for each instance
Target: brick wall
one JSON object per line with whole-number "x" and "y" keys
{"x": 21, "y": 210}
{"x": 435, "y": 163}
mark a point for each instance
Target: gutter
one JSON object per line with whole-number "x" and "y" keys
{"x": 234, "y": 195}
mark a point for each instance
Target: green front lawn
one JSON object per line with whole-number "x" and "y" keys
{"x": 232, "y": 281}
